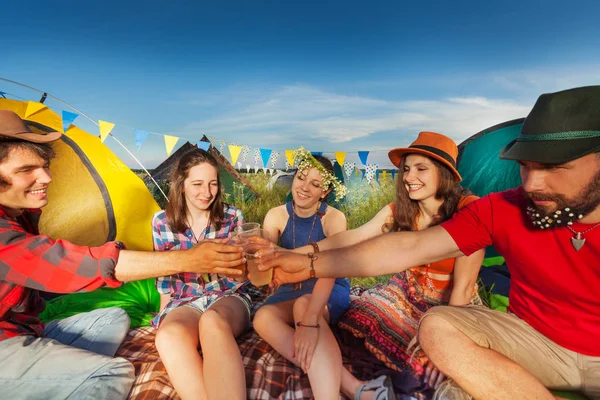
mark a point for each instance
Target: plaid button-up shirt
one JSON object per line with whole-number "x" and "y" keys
{"x": 187, "y": 287}
{"x": 30, "y": 262}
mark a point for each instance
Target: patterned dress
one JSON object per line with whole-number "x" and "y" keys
{"x": 187, "y": 287}
{"x": 387, "y": 316}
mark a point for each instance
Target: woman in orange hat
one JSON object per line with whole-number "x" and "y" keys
{"x": 428, "y": 193}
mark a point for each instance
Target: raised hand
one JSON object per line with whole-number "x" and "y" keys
{"x": 215, "y": 257}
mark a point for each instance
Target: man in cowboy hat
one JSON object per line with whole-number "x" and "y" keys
{"x": 548, "y": 231}
{"x": 71, "y": 357}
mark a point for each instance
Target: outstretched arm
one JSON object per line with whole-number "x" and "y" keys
{"x": 385, "y": 254}
{"x": 345, "y": 238}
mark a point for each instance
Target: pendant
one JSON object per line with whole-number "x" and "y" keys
{"x": 577, "y": 242}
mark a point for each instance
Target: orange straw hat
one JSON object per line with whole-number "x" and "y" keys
{"x": 433, "y": 145}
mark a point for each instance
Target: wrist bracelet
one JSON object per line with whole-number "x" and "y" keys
{"x": 313, "y": 257}
{"x": 307, "y": 326}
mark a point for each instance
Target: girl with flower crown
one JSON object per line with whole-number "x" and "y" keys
{"x": 295, "y": 319}
{"x": 386, "y": 316}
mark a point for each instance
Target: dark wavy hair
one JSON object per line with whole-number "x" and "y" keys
{"x": 406, "y": 210}
{"x": 176, "y": 209}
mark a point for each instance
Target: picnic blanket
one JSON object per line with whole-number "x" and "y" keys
{"x": 268, "y": 375}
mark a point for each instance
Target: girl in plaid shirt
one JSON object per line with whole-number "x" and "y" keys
{"x": 206, "y": 310}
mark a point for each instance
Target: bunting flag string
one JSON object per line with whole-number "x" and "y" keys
{"x": 363, "y": 155}
{"x": 139, "y": 136}
{"x": 170, "y": 142}
{"x": 32, "y": 108}
{"x": 340, "y": 156}
{"x": 245, "y": 151}
{"x": 202, "y": 145}
{"x": 234, "y": 151}
{"x": 349, "y": 168}
{"x": 289, "y": 156}
{"x": 369, "y": 173}
{"x": 213, "y": 140}
{"x": 257, "y": 159}
{"x": 265, "y": 154}
{"x": 222, "y": 144}
{"x": 274, "y": 158}
{"x": 68, "y": 118}
{"x": 105, "y": 128}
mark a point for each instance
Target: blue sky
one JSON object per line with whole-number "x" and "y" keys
{"x": 328, "y": 75}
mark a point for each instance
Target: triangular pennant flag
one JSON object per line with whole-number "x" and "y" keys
{"x": 340, "y": 156}
{"x": 289, "y": 155}
{"x": 245, "y": 151}
{"x": 239, "y": 164}
{"x": 170, "y": 142}
{"x": 32, "y": 108}
{"x": 393, "y": 174}
{"x": 265, "y": 154}
{"x": 139, "y": 136}
{"x": 68, "y": 118}
{"x": 363, "y": 155}
{"x": 234, "y": 151}
{"x": 377, "y": 175}
{"x": 105, "y": 128}
{"x": 316, "y": 153}
{"x": 363, "y": 174}
{"x": 202, "y": 145}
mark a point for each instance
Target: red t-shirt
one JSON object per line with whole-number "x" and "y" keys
{"x": 553, "y": 287}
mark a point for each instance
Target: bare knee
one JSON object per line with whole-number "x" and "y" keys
{"x": 300, "y": 306}
{"x": 171, "y": 334}
{"x": 213, "y": 323}
{"x": 263, "y": 318}
{"x": 432, "y": 331}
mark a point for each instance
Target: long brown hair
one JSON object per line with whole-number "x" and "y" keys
{"x": 406, "y": 210}
{"x": 176, "y": 209}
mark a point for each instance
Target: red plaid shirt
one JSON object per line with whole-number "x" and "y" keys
{"x": 30, "y": 262}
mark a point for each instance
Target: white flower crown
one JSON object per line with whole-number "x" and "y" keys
{"x": 304, "y": 160}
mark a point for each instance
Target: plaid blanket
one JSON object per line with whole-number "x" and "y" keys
{"x": 268, "y": 375}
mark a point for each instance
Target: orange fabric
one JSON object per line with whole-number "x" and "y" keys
{"x": 443, "y": 267}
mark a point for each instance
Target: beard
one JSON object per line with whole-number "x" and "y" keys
{"x": 567, "y": 210}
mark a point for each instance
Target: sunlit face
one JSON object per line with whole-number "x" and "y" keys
{"x": 575, "y": 184}
{"x": 28, "y": 177}
{"x": 201, "y": 187}
{"x": 307, "y": 188}
{"x": 420, "y": 177}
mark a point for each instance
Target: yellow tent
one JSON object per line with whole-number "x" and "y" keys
{"x": 94, "y": 196}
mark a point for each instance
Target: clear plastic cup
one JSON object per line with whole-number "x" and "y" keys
{"x": 253, "y": 260}
{"x": 236, "y": 240}
{"x": 247, "y": 229}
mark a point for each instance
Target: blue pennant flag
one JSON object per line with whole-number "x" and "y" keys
{"x": 363, "y": 174}
{"x": 363, "y": 155}
{"x": 265, "y": 154}
{"x": 140, "y": 136}
{"x": 377, "y": 175}
{"x": 316, "y": 153}
{"x": 202, "y": 145}
{"x": 393, "y": 174}
{"x": 68, "y": 118}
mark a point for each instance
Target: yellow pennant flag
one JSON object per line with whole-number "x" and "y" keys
{"x": 32, "y": 108}
{"x": 289, "y": 154}
{"x": 234, "y": 151}
{"x": 170, "y": 142}
{"x": 340, "y": 156}
{"x": 105, "y": 128}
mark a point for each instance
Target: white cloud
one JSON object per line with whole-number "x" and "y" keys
{"x": 297, "y": 113}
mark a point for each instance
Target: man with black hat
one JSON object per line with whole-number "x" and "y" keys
{"x": 70, "y": 358}
{"x": 548, "y": 231}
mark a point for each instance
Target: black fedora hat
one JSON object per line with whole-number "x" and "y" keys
{"x": 561, "y": 127}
